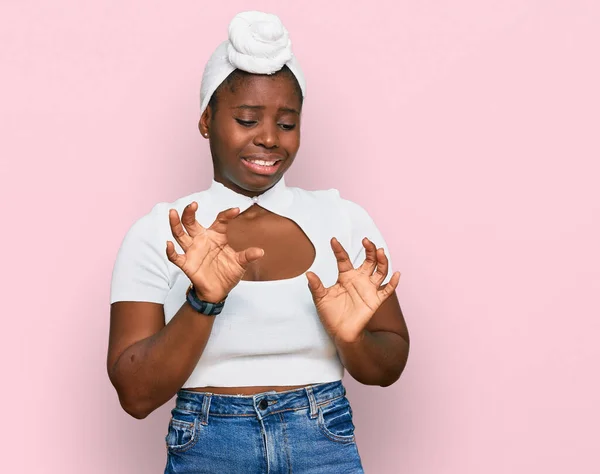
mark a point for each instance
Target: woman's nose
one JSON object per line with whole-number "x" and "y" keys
{"x": 267, "y": 136}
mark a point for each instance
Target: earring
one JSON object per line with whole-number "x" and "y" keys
{"x": 206, "y": 134}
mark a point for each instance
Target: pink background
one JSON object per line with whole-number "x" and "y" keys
{"x": 468, "y": 129}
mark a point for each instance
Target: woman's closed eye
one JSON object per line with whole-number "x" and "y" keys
{"x": 245, "y": 123}
{"x": 287, "y": 126}
{"x": 250, "y": 123}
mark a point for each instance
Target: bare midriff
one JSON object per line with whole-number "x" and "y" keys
{"x": 244, "y": 390}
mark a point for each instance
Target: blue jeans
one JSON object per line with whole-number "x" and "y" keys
{"x": 301, "y": 431}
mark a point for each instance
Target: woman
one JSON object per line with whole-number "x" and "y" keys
{"x": 250, "y": 305}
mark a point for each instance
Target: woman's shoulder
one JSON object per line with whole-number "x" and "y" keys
{"x": 161, "y": 209}
{"x": 156, "y": 220}
{"x": 332, "y": 199}
{"x": 314, "y": 194}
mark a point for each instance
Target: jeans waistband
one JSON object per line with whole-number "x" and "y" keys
{"x": 260, "y": 404}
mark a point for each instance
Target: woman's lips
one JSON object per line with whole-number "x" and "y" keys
{"x": 264, "y": 165}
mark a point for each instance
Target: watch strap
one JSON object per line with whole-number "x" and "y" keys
{"x": 201, "y": 306}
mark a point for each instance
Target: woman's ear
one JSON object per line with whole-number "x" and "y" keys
{"x": 203, "y": 123}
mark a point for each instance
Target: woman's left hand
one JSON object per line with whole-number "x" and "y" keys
{"x": 346, "y": 307}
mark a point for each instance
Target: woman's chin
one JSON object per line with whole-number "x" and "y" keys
{"x": 250, "y": 184}
{"x": 259, "y": 181}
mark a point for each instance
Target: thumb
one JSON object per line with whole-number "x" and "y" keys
{"x": 315, "y": 285}
{"x": 249, "y": 255}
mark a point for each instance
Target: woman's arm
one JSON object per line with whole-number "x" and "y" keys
{"x": 379, "y": 355}
{"x": 362, "y": 316}
{"x": 149, "y": 361}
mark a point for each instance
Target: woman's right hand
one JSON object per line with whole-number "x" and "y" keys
{"x": 208, "y": 261}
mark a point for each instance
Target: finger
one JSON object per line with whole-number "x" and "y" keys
{"x": 382, "y": 266}
{"x": 315, "y": 285}
{"x": 173, "y": 256}
{"x": 388, "y": 289}
{"x": 223, "y": 218}
{"x": 249, "y": 255}
{"x": 183, "y": 239}
{"x": 188, "y": 219}
{"x": 368, "y": 266}
{"x": 343, "y": 261}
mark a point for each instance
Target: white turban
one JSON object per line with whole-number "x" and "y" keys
{"x": 258, "y": 43}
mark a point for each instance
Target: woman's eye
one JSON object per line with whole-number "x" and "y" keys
{"x": 287, "y": 126}
{"x": 245, "y": 123}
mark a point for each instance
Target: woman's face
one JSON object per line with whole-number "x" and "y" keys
{"x": 254, "y": 132}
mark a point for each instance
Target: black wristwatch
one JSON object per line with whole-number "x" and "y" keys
{"x": 203, "y": 307}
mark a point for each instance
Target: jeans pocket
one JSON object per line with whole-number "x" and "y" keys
{"x": 183, "y": 430}
{"x": 335, "y": 420}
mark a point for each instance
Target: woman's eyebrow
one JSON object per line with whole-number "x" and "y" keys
{"x": 252, "y": 107}
{"x": 289, "y": 109}
{"x": 262, "y": 107}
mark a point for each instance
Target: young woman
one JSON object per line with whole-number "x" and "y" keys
{"x": 249, "y": 299}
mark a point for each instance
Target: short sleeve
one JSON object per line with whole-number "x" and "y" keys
{"x": 140, "y": 272}
{"x": 361, "y": 226}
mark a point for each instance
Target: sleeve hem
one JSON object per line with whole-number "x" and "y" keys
{"x": 139, "y": 297}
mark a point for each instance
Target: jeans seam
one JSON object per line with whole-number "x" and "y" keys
{"x": 287, "y": 445}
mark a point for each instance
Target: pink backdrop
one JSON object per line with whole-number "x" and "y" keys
{"x": 469, "y": 130}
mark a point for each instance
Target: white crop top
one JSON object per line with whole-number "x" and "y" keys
{"x": 269, "y": 332}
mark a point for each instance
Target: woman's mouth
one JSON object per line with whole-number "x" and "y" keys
{"x": 262, "y": 166}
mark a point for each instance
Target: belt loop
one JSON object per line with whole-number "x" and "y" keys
{"x": 205, "y": 408}
{"x": 311, "y": 401}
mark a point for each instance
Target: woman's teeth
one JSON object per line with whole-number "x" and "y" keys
{"x": 263, "y": 163}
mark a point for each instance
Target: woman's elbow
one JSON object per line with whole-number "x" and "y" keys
{"x": 134, "y": 405}
{"x": 135, "y": 409}
{"x": 130, "y": 401}
{"x": 393, "y": 374}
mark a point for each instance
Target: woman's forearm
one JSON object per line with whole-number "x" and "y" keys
{"x": 151, "y": 371}
{"x": 377, "y": 358}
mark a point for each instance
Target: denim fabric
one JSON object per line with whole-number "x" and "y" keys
{"x": 301, "y": 431}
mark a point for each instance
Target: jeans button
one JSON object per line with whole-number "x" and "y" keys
{"x": 263, "y": 404}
